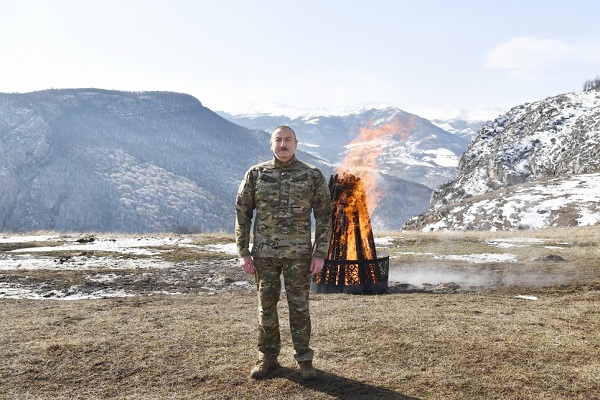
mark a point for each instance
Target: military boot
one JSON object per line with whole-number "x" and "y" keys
{"x": 307, "y": 370}
{"x": 263, "y": 367}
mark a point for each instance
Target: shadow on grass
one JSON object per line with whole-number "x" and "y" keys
{"x": 340, "y": 387}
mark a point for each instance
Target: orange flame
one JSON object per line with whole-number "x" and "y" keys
{"x": 354, "y": 193}
{"x": 361, "y": 158}
{"x": 352, "y": 224}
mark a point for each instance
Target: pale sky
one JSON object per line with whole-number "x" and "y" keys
{"x": 423, "y": 56}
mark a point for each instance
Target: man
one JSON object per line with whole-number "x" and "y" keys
{"x": 283, "y": 192}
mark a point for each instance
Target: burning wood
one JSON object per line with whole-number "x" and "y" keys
{"x": 352, "y": 237}
{"x": 352, "y": 265}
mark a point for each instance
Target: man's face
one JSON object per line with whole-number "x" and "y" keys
{"x": 283, "y": 144}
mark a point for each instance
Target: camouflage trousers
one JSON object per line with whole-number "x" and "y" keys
{"x": 296, "y": 278}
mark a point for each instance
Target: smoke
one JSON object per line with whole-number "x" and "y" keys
{"x": 421, "y": 276}
{"x": 533, "y": 279}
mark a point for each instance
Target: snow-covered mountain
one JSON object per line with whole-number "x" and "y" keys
{"x": 424, "y": 154}
{"x": 413, "y": 155}
{"x": 535, "y": 148}
{"x": 110, "y": 161}
{"x": 461, "y": 127}
{"x": 97, "y": 160}
{"x": 465, "y": 123}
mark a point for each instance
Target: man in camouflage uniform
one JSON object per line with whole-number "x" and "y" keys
{"x": 283, "y": 192}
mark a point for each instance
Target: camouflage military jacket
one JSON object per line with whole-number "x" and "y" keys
{"x": 284, "y": 195}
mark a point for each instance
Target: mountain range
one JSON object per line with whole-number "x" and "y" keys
{"x": 110, "y": 161}
{"x": 413, "y": 155}
{"x": 96, "y": 160}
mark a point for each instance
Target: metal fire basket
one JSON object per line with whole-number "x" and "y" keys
{"x": 352, "y": 277}
{"x": 352, "y": 265}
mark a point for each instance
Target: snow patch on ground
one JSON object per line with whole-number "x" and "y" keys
{"x": 471, "y": 258}
{"x": 27, "y": 239}
{"x": 526, "y": 297}
{"x": 141, "y": 246}
{"x": 518, "y": 242}
{"x": 227, "y": 248}
{"x": 148, "y": 274}
{"x": 384, "y": 241}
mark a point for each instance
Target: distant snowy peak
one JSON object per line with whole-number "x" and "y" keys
{"x": 463, "y": 128}
{"x": 461, "y": 122}
{"x": 459, "y": 114}
{"x": 436, "y": 115}
{"x": 262, "y": 109}
{"x": 411, "y": 148}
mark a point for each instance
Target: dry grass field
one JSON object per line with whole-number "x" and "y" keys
{"x": 527, "y": 326}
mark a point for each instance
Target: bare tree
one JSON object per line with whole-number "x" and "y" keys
{"x": 593, "y": 84}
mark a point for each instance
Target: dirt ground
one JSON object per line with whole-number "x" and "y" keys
{"x": 466, "y": 316}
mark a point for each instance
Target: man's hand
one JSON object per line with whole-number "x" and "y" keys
{"x": 316, "y": 265}
{"x": 247, "y": 264}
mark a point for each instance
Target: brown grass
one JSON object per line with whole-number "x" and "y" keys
{"x": 468, "y": 345}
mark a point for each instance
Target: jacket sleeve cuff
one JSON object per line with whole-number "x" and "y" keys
{"x": 244, "y": 253}
{"x": 320, "y": 254}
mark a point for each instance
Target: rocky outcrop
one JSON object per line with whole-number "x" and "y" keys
{"x": 556, "y": 137}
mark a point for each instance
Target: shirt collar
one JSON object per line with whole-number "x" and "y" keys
{"x": 282, "y": 165}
